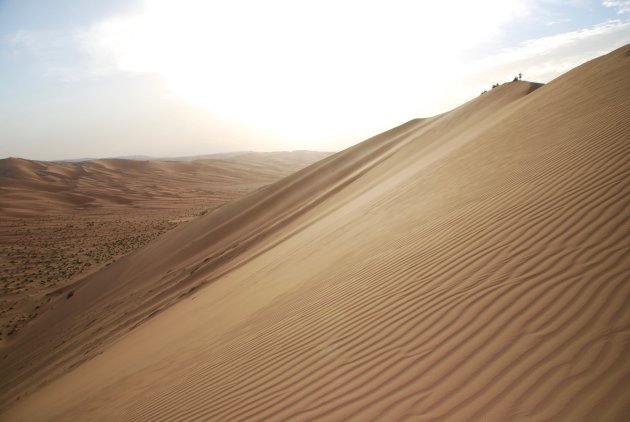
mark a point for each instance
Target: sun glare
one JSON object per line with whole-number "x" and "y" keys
{"x": 299, "y": 71}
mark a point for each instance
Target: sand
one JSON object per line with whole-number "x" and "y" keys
{"x": 469, "y": 266}
{"x": 61, "y": 221}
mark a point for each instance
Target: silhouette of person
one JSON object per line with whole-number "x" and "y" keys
{"x": 519, "y": 75}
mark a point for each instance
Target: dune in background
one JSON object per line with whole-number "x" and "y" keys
{"x": 32, "y": 188}
{"x": 60, "y": 221}
{"x": 468, "y": 266}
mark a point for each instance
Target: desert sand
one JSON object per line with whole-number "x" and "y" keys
{"x": 469, "y": 266}
{"x": 61, "y": 221}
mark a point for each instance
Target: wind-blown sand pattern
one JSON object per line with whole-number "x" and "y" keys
{"x": 470, "y": 266}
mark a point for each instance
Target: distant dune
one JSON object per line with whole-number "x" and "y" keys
{"x": 469, "y": 266}
{"x": 30, "y": 188}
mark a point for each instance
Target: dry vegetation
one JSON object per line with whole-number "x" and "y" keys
{"x": 40, "y": 256}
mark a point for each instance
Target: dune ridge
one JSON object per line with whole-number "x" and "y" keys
{"x": 469, "y": 266}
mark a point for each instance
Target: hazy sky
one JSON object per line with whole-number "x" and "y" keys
{"x": 97, "y": 78}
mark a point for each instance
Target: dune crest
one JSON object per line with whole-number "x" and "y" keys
{"x": 469, "y": 266}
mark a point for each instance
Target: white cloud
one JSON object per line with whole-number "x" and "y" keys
{"x": 566, "y": 49}
{"x": 622, "y": 6}
{"x": 543, "y": 59}
{"x": 558, "y": 21}
{"x": 546, "y": 45}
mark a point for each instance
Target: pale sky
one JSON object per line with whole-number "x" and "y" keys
{"x": 163, "y": 78}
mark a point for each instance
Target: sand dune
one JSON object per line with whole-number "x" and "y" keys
{"x": 469, "y": 266}
{"x": 29, "y": 188}
{"x": 62, "y": 221}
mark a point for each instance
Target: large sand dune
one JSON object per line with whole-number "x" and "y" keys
{"x": 61, "y": 221}
{"x": 469, "y": 266}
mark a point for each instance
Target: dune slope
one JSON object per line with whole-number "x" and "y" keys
{"x": 470, "y": 266}
{"x": 61, "y": 221}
